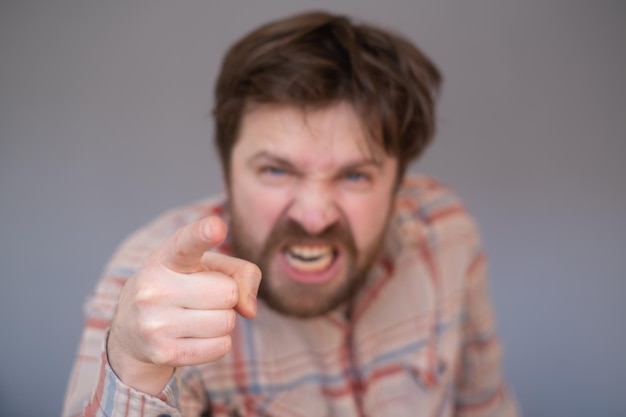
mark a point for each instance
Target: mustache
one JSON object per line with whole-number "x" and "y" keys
{"x": 290, "y": 231}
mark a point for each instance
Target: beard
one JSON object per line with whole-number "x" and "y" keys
{"x": 297, "y": 299}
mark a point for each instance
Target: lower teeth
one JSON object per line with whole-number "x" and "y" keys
{"x": 317, "y": 264}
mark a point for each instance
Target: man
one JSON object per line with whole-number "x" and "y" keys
{"x": 373, "y": 299}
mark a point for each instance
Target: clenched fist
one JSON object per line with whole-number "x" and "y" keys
{"x": 179, "y": 307}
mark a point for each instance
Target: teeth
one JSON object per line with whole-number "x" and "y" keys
{"x": 310, "y": 258}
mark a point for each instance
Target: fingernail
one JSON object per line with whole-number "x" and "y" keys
{"x": 253, "y": 302}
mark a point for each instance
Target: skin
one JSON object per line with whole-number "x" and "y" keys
{"x": 315, "y": 172}
{"x": 179, "y": 308}
{"x": 318, "y": 170}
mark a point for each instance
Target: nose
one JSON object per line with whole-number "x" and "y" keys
{"x": 314, "y": 207}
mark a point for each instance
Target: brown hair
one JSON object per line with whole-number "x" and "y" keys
{"x": 316, "y": 59}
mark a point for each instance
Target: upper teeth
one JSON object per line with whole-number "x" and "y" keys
{"x": 310, "y": 258}
{"x": 309, "y": 252}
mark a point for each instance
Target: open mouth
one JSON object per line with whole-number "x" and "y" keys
{"x": 310, "y": 258}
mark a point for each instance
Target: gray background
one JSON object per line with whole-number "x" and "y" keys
{"x": 104, "y": 124}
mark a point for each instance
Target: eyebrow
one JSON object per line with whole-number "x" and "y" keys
{"x": 265, "y": 155}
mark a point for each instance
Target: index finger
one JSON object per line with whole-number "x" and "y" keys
{"x": 183, "y": 251}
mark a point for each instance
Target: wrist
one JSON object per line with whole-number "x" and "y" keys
{"x": 142, "y": 376}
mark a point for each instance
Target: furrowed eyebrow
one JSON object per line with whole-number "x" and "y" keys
{"x": 264, "y": 156}
{"x": 362, "y": 164}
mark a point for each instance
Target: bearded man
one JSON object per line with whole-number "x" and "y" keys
{"x": 373, "y": 297}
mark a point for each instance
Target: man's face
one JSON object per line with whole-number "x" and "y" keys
{"x": 310, "y": 197}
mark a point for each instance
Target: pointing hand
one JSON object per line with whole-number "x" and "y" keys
{"x": 179, "y": 307}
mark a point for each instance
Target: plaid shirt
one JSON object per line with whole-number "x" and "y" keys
{"x": 420, "y": 340}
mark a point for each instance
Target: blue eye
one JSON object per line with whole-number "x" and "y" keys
{"x": 355, "y": 176}
{"x": 271, "y": 170}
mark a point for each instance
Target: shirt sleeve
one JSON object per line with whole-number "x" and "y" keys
{"x": 481, "y": 389}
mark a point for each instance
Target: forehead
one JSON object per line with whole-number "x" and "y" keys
{"x": 331, "y": 133}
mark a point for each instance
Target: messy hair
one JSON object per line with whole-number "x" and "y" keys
{"x": 316, "y": 59}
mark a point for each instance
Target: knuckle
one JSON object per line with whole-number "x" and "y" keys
{"x": 164, "y": 356}
{"x": 223, "y": 346}
{"x": 251, "y": 270}
{"x": 150, "y": 328}
{"x": 179, "y": 249}
{"x": 229, "y": 321}
{"x": 183, "y": 355}
{"x": 231, "y": 294}
{"x": 145, "y": 295}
